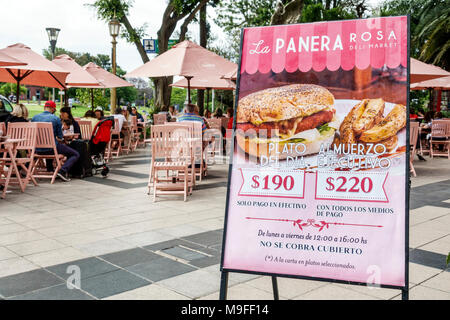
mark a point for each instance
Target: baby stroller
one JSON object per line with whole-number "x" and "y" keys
{"x": 97, "y": 145}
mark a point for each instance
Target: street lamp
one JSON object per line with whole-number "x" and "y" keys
{"x": 114, "y": 29}
{"x": 53, "y": 37}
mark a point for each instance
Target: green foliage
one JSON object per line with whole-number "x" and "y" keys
{"x": 100, "y": 99}
{"x": 418, "y": 101}
{"x": 10, "y": 88}
{"x": 82, "y": 58}
{"x": 126, "y": 94}
{"x": 179, "y": 96}
{"x": 448, "y": 259}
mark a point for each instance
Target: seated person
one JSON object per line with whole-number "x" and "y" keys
{"x": 72, "y": 155}
{"x": 139, "y": 117}
{"x": 90, "y": 116}
{"x": 191, "y": 114}
{"x": 19, "y": 114}
{"x": 99, "y": 114}
{"x": 123, "y": 125}
{"x": 68, "y": 122}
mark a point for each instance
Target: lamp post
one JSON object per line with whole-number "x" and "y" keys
{"x": 114, "y": 29}
{"x": 53, "y": 37}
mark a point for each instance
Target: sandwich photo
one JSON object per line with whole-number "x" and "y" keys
{"x": 271, "y": 122}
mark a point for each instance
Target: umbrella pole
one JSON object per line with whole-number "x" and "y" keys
{"x": 92, "y": 99}
{"x": 18, "y": 87}
{"x": 189, "y": 88}
{"x": 207, "y": 98}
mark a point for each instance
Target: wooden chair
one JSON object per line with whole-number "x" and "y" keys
{"x": 413, "y": 136}
{"x": 171, "y": 151}
{"x": 440, "y": 134}
{"x": 135, "y": 134}
{"x": 86, "y": 129}
{"x": 46, "y": 140}
{"x": 159, "y": 118}
{"x": 26, "y": 131}
{"x": 115, "y": 145}
{"x": 3, "y": 128}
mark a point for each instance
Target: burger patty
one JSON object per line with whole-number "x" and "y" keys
{"x": 313, "y": 121}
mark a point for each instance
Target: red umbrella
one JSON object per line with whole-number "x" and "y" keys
{"x": 421, "y": 71}
{"x": 38, "y": 71}
{"x": 6, "y": 60}
{"x": 186, "y": 59}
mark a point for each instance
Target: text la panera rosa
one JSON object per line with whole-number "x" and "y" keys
{"x": 317, "y": 43}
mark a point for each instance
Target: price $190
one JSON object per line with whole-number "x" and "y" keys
{"x": 273, "y": 182}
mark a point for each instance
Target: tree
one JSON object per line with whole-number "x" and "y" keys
{"x": 101, "y": 99}
{"x": 10, "y": 88}
{"x": 176, "y": 11}
{"x": 236, "y": 14}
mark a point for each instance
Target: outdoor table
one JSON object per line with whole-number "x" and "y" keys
{"x": 71, "y": 136}
{"x": 10, "y": 147}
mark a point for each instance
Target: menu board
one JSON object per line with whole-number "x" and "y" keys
{"x": 319, "y": 168}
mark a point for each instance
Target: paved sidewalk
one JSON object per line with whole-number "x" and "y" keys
{"x": 127, "y": 247}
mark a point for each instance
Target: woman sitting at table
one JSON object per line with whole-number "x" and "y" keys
{"x": 68, "y": 122}
{"x": 19, "y": 114}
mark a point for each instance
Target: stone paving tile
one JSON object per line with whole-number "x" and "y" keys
{"x": 181, "y": 230}
{"x": 184, "y": 253}
{"x": 11, "y": 227}
{"x": 53, "y": 257}
{"x": 150, "y": 292}
{"x": 441, "y": 282}
{"x": 207, "y": 238}
{"x": 112, "y": 283}
{"x": 288, "y": 288}
{"x": 89, "y": 267}
{"x": 130, "y": 257}
{"x": 27, "y": 248}
{"x": 440, "y": 246}
{"x": 60, "y": 292}
{"x": 25, "y": 282}
{"x": 104, "y": 246}
{"x": 20, "y": 237}
{"x": 15, "y": 265}
{"x": 425, "y": 293}
{"x": 419, "y": 273}
{"x": 333, "y": 292}
{"x": 427, "y": 258}
{"x": 193, "y": 284}
{"x": 6, "y": 254}
{"x": 160, "y": 269}
{"x": 145, "y": 238}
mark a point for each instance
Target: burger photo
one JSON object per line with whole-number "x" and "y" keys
{"x": 287, "y": 121}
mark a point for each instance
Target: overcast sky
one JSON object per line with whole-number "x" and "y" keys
{"x": 25, "y": 21}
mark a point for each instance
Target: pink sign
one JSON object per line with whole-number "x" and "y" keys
{"x": 318, "y": 179}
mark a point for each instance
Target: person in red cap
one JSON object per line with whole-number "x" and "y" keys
{"x": 71, "y": 154}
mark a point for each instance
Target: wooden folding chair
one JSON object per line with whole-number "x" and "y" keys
{"x": 440, "y": 136}
{"x": 46, "y": 140}
{"x": 86, "y": 129}
{"x": 3, "y": 128}
{"x": 115, "y": 145}
{"x": 413, "y": 136}
{"x": 159, "y": 118}
{"x": 135, "y": 134}
{"x": 171, "y": 151}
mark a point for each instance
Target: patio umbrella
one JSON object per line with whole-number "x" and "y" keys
{"x": 38, "y": 71}
{"x": 442, "y": 83}
{"x": 232, "y": 75}
{"x": 106, "y": 79}
{"x": 421, "y": 71}
{"x": 186, "y": 59}
{"x": 205, "y": 82}
{"x": 6, "y": 60}
{"x": 438, "y": 84}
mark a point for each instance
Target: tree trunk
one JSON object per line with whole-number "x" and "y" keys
{"x": 287, "y": 14}
{"x": 136, "y": 40}
{"x": 203, "y": 43}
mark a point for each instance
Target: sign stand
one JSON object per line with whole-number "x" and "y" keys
{"x": 225, "y": 271}
{"x": 224, "y": 287}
